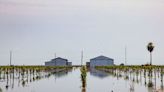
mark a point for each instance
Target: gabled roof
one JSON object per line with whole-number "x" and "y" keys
{"x": 58, "y": 58}
{"x": 102, "y": 58}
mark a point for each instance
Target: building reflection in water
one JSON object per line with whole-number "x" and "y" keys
{"x": 62, "y": 73}
{"x": 98, "y": 73}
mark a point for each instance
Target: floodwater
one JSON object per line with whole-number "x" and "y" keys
{"x": 70, "y": 81}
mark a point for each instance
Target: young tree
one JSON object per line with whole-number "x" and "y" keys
{"x": 150, "y": 48}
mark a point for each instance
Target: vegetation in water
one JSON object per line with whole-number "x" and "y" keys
{"x": 0, "y": 90}
{"x": 83, "y": 75}
{"x": 26, "y": 74}
{"x": 136, "y": 72}
{"x": 150, "y": 84}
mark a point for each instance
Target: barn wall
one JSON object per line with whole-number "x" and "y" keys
{"x": 104, "y": 62}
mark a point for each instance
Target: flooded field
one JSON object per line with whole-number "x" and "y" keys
{"x": 69, "y": 80}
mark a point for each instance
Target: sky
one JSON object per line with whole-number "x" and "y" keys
{"x": 37, "y": 29}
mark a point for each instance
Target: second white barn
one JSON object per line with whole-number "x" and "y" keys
{"x": 101, "y": 61}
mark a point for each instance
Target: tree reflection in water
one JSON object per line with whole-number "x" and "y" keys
{"x": 24, "y": 75}
{"x": 150, "y": 74}
{"x": 7, "y": 74}
{"x": 1, "y": 90}
{"x": 83, "y": 89}
{"x": 83, "y": 77}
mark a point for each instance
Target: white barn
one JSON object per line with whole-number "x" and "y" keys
{"x": 58, "y": 62}
{"x": 101, "y": 61}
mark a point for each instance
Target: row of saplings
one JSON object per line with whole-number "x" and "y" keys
{"x": 28, "y": 73}
{"x": 129, "y": 71}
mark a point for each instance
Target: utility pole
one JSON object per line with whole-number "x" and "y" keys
{"x": 10, "y": 57}
{"x": 55, "y": 55}
{"x": 125, "y": 55}
{"x": 55, "y": 58}
{"x": 81, "y": 58}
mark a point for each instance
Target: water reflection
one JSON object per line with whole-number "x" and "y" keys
{"x": 7, "y": 83}
{"x": 98, "y": 73}
{"x": 83, "y": 89}
{"x": 25, "y": 77}
{"x": 152, "y": 78}
{"x": 0, "y": 90}
{"x": 96, "y": 80}
{"x": 132, "y": 89}
{"x": 83, "y": 78}
{"x": 62, "y": 73}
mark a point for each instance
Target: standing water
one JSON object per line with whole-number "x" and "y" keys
{"x": 70, "y": 81}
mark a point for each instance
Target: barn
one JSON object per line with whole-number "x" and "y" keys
{"x": 58, "y": 62}
{"x": 101, "y": 61}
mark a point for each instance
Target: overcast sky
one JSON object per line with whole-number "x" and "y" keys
{"x": 36, "y": 29}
